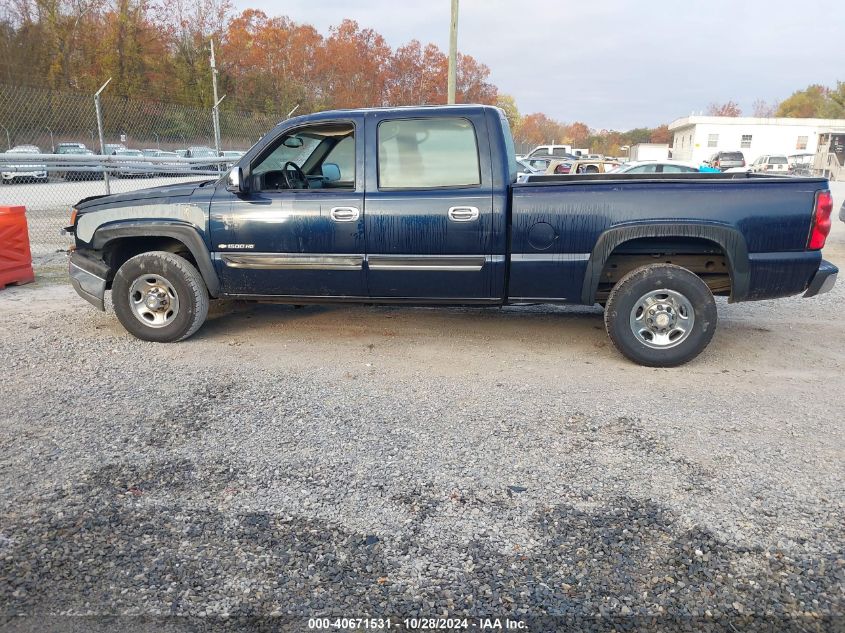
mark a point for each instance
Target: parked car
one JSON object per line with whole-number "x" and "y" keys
{"x": 551, "y": 151}
{"x": 111, "y": 148}
{"x": 70, "y": 148}
{"x": 82, "y": 171}
{"x": 657, "y": 167}
{"x": 164, "y": 168}
{"x": 233, "y": 155}
{"x": 139, "y": 168}
{"x": 34, "y": 172}
{"x": 437, "y": 218}
{"x": 539, "y": 164}
{"x": 726, "y": 160}
{"x": 772, "y": 163}
{"x": 524, "y": 169}
{"x": 584, "y": 166}
{"x": 202, "y": 152}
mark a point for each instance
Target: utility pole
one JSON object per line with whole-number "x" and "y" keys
{"x": 215, "y": 117}
{"x": 453, "y": 53}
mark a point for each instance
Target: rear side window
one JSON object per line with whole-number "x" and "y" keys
{"x": 427, "y": 153}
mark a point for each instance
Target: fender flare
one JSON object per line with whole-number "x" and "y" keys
{"x": 185, "y": 233}
{"x": 730, "y": 239}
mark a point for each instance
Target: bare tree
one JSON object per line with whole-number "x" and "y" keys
{"x": 763, "y": 109}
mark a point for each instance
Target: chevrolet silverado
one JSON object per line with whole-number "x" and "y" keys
{"x": 420, "y": 205}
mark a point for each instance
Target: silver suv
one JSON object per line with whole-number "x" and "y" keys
{"x": 726, "y": 160}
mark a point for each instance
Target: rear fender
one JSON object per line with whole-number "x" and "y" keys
{"x": 731, "y": 241}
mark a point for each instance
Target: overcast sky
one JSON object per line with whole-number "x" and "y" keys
{"x": 616, "y": 63}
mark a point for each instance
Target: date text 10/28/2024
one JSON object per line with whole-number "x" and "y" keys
{"x": 417, "y": 624}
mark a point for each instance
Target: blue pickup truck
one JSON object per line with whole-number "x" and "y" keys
{"x": 421, "y": 206}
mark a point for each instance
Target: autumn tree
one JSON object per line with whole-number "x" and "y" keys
{"x": 660, "y": 134}
{"x": 349, "y": 70}
{"x": 577, "y": 133}
{"x": 539, "y": 129}
{"x": 730, "y": 108}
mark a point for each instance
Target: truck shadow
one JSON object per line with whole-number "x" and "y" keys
{"x": 538, "y": 323}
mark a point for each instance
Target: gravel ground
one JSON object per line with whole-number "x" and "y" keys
{"x": 391, "y": 461}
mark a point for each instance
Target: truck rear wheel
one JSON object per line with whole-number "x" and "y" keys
{"x": 160, "y": 297}
{"x": 660, "y": 315}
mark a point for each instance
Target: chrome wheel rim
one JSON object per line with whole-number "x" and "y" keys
{"x": 662, "y": 319}
{"x": 153, "y": 300}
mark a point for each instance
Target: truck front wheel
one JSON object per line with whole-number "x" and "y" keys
{"x": 160, "y": 297}
{"x": 660, "y": 315}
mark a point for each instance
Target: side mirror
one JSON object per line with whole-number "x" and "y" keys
{"x": 294, "y": 142}
{"x": 235, "y": 180}
{"x": 331, "y": 172}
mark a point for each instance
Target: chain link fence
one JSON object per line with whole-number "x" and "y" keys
{"x": 49, "y": 141}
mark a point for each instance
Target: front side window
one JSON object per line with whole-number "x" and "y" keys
{"x": 427, "y": 153}
{"x": 309, "y": 149}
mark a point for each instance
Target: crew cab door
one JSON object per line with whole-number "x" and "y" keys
{"x": 429, "y": 205}
{"x": 293, "y": 237}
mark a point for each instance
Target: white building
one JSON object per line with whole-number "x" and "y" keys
{"x": 648, "y": 151}
{"x": 697, "y": 138}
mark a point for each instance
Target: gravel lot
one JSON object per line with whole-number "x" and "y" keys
{"x": 392, "y": 461}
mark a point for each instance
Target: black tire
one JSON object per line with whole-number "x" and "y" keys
{"x": 185, "y": 282}
{"x": 648, "y": 280}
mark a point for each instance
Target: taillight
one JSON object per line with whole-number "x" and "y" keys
{"x": 821, "y": 221}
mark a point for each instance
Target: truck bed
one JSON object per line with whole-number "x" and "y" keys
{"x": 565, "y": 229}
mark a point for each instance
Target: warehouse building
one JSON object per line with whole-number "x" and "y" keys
{"x": 697, "y": 138}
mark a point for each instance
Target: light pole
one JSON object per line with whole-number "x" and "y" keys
{"x": 52, "y": 144}
{"x": 158, "y": 144}
{"x": 8, "y": 138}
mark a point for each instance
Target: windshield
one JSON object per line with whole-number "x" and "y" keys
{"x": 24, "y": 150}
{"x": 777, "y": 160}
{"x": 129, "y": 152}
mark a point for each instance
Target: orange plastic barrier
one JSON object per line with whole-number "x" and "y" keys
{"x": 15, "y": 256}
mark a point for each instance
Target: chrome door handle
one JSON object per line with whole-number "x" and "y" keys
{"x": 463, "y": 214}
{"x": 344, "y": 214}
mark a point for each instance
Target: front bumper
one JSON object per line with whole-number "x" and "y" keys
{"x": 823, "y": 280}
{"x": 89, "y": 277}
{"x": 12, "y": 175}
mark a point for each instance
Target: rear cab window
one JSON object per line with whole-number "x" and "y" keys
{"x": 428, "y": 153}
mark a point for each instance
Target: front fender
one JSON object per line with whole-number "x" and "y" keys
{"x": 185, "y": 233}
{"x": 731, "y": 241}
